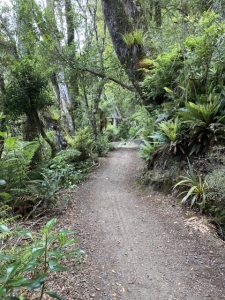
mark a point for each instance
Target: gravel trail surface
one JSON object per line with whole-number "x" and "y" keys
{"x": 138, "y": 244}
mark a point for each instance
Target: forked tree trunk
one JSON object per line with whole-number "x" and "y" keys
{"x": 40, "y": 127}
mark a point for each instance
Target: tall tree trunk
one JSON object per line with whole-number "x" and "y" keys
{"x": 69, "y": 22}
{"x": 61, "y": 92}
{"x": 90, "y": 114}
{"x": 158, "y": 13}
{"x": 30, "y": 130}
{"x": 59, "y": 82}
{"x": 134, "y": 9}
{"x": 2, "y": 121}
{"x": 119, "y": 24}
{"x": 96, "y": 111}
{"x": 73, "y": 76}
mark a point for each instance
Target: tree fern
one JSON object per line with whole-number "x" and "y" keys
{"x": 14, "y": 166}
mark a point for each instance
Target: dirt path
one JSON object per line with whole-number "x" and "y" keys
{"x": 138, "y": 246}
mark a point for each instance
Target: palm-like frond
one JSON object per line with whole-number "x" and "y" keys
{"x": 193, "y": 188}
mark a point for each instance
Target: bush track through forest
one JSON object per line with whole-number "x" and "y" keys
{"x": 138, "y": 245}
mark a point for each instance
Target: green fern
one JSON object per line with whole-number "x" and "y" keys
{"x": 146, "y": 150}
{"x": 205, "y": 123}
{"x": 135, "y": 37}
{"x": 170, "y": 129}
{"x": 14, "y": 166}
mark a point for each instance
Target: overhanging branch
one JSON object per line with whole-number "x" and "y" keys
{"x": 96, "y": 73}
{"x": 101, "y": 75}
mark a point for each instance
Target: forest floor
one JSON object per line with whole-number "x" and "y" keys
{"x": 139, "y": 244}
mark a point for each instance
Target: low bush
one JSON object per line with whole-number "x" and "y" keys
{"x": 205, "y": 123}
{"x": 15, "y": 162}
{"x": 142, "y": 123}
{"x": 168, "y": 66}
{"x": 216, "y": 187}
{"x": 169, "y": 133}
{"x": 27, "y": 259}
{"x": 146, "y": 150}
{"x": 102, "y": 145}
{"x": 112, "y": 133}
{"x": 83, "y": 141}
{"x": 193, "y": 187}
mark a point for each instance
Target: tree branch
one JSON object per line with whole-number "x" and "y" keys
{"x": 101, "y": 75}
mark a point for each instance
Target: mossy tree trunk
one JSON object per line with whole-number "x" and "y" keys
{"x": 119, "y": 23}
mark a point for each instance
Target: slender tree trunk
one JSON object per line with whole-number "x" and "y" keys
{"x": 158, "y": 13}
{"x": 31, "y": 133}
{"x": 73, "y": 76}
{"x": 2, "y": 121}
{"x": 69, "y": 22}
{"x": 97, "y": 100}
{"x": 65, "y": 102}
{"x": 91, "y": 117}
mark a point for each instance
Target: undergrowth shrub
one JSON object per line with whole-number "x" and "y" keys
{"x": 146, "y": 150}
{"x": 112, "y": 133}
{"x": 28, "y": 258}
{"x": 16, "y": 160}
{"x": 193, "y": 187}
{"x": 135, "y": 37}
{"x": 216, "y": 187}
{"x": 168, "y": 66}
{"x": 142, "y": 123}
{"x": 69, "y": 155}
{"x": 124, "y": 128}
{"x": 205, "y": 123}
{"x": 83, "y": 141}
{"x": 169, "y": 133}
{"x": 102, "y": 145}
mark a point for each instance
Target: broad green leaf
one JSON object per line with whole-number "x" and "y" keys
{"x": 3, "y": 134}
{"x": 37, "y": 282}
{"x": 169, "y": 91}
{"x": 56, "y": 267}
{"x": 39, "y": 251}
{"x": 25, "y": 233}
{"x": 11, "y": 270}
{"x": 49, "y": 225}
{"x": 54, "y": 295}
{"x": 10, "y": 142}
{"x": 5, "y": 257}
{"x": 21, "y": 282}
{"x": 5, "y": 196}
{"x": 4, "y": 228}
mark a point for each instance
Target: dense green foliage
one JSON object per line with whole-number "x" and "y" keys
{"x": 28, "y": 262}
{"x": 72, "y": 80}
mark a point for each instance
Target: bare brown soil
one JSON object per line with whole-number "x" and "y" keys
{"x": 138, "y": 244}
